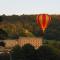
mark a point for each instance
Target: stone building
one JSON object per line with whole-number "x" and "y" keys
{"x": 36, "y": 42}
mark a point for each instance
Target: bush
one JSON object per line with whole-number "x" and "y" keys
{"x": 16, "y": 53}
{"x": 3, "y": 34}
{"x": 46, "y": 53}
{"x": 28, "y": 52}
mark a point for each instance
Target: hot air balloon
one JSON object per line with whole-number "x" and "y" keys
{"x": 43, "y": 20}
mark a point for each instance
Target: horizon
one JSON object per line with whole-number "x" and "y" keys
{"x": 25, "y": 14}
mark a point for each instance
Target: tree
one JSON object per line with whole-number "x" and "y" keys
{"x": 28, "y": 52}
{"x": 4, "y": 56}
{"x": 2, "y": 44}
{"x": 1, "y": 18}
{"x": 45, "y": 53}
{"x": 16, "y": 53}
{"x": 3, "y": 34}
{"x": 53, "y": 30}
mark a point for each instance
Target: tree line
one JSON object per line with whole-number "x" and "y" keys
{"x": 16, "y": 26}
{"x": 28, "y": 52}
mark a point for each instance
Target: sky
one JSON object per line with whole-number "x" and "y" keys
{"x": 18, "y": 7}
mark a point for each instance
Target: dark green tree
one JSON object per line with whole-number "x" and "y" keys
{"x": 1, "y": 18}
{"x": 28, "y": 52}
{"x": 3, "y": 34}
{"x": 16, "y": 53}
{"x": 53, "y": 30}
{"x": 2, "y": 44}
{"x": 46, "y": 53}
{"x": 4, "y": 56}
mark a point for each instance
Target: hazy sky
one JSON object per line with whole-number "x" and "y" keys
{"x": 9, "y": 7}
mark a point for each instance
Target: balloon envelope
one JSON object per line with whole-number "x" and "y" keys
{"x": 43, "y": 20}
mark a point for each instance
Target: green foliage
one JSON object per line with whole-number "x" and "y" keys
{"x": 4, "y": 57}
{"x": 53, "y": 30}
{"x": 2, "y": 44}
{"x": 16, "y": 24}
{"x": 16, "y": 53}
{"x": 1, "y": 18}
{"x": 46, "y": 53}
{"x": 3, "y": 34}
{"x": 55, "y": 46}
{"x": 25, "y": 53}
{"x": 28, "y": 52}
{"x": 13, "y": 36}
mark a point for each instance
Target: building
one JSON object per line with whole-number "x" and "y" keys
{"x": 36, "y": 42}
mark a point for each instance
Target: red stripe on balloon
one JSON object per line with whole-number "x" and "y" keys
{"x": 43, "y": 20}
